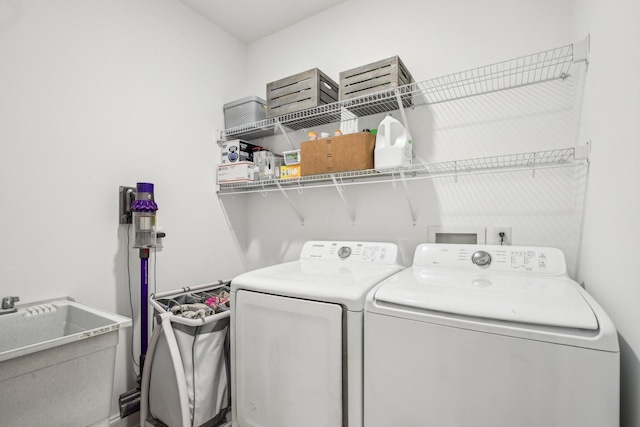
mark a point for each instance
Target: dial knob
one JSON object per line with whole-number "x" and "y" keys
{"x": 481, "y": 258}
{"x": 344, "y": 252}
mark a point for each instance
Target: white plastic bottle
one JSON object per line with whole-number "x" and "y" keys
{"x": 393, "y": 145}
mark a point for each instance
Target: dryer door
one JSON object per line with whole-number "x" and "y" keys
{"x": 288, "y": 362}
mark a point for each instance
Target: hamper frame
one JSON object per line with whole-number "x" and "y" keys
{"x": 165, "y": 319}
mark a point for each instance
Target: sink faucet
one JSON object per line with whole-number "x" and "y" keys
{"x": 8, "y": 302}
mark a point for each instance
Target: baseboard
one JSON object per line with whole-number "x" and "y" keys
{"x": 132, "y": 420}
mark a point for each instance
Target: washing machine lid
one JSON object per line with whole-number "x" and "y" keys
{"x": 549, "y": 301}
{"x": 337, "y": 272}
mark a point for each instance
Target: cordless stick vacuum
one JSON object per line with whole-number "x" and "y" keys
{"x": 144, "y": 210}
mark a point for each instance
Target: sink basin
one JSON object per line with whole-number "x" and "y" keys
{"x": 57, "y": 361}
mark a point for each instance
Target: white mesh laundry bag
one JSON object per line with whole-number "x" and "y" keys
{"x": 189, "y": 372}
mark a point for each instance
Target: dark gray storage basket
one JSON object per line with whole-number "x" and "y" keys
{"x": 301, "y": 91}
{"x": 374, "y": 80}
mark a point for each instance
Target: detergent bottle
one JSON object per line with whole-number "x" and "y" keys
{"x": 393, "y": 145}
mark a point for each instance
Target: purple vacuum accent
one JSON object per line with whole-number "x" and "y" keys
{"x": 144, "y": 187}
{"x": 144, "y": 206}
{"x": 144, "y": 315}
{"x": 144, "y": 198}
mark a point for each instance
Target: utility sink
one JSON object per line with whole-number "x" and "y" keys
{"x": 57, "y": 360}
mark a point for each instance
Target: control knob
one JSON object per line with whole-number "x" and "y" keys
{"x": 344, "y": 252}
{"x": 481, "y": 259}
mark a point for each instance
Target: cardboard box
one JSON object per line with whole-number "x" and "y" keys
{"x": 238, "y": 150}
{"x": 236, "y": 172}
{"x": 337, "y": 154}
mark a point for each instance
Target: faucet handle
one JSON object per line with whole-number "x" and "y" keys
{"x": 8, "y": 302}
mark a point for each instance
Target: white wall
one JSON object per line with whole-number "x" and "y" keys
{"x": 612, "y": 106}
{"x": 98, "y": 94}
{"x": 433, "y": 38}
{"x": 438, "y": 37}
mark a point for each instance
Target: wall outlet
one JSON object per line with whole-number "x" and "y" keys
{"x": 493, "y": 235}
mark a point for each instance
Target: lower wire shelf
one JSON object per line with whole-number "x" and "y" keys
{"x": 564, "y": 157}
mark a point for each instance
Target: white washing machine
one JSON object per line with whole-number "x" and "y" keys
{"x": 297, "y": 336}
{"x": 488, "y": 336}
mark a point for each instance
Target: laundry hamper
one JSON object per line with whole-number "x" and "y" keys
{"x": 186, "y": 377}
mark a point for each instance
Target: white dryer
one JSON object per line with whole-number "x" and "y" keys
{"x": 297, "y": 336}
{"x": 488, "y": 336}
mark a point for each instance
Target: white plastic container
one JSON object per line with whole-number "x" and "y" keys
{"x": 393, "y": 145}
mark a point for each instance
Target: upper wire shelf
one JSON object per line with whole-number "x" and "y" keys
{"x": 539, "y": 67}
{"x": 563, "y": 157}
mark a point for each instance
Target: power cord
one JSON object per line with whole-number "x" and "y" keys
{"x": 155, "y": 265}
{"x": 155, "y": 284}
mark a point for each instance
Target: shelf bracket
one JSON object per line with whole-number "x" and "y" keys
{"x": 407, "y": 193}
{"x": 533, "y": 166}
{"x": 581, "y": 50}
{"x": 582, "y": 152}
{"x": 293, "y": 206}
{"x": 340, "y": 190}
{"x": 284, "y": 133}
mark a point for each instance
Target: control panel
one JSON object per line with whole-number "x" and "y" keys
{"x": 372, "y": 252}
{"x": 521, "y": 259}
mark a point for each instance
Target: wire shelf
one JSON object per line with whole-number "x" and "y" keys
{"x": 540, "y": 67}
{"x": 511, "y": 162}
